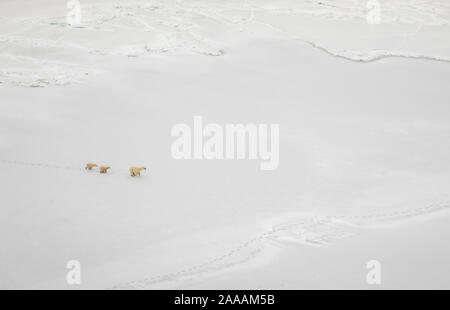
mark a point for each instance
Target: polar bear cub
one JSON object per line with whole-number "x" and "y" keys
{"x": 104, "y": 169}
{"x": 89, "y": 166}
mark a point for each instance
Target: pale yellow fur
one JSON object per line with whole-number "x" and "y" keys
{"x": 136, "y": 171}
{"x": 89, "y": 166}
{"x": 104, "y": 169}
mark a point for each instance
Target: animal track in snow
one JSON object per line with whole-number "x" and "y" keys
{"x": 306, "y": 229}
{"x": 310, "y": 230}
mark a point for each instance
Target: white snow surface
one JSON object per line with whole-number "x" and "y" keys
{"x": 364, "y": 120}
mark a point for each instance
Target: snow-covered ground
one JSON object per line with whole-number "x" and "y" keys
{"x": 364, "y": 170}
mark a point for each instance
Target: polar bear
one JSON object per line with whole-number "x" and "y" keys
{"x": 136, "y": 171}
{"x": 104, "y": 169}
{"x": 89, "y": 166}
